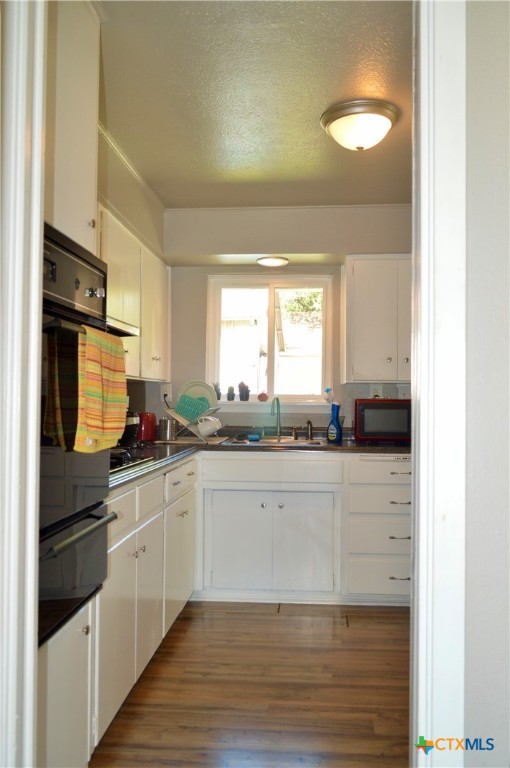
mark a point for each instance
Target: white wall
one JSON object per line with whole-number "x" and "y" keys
{"x": 340, "y": 230}
{"x": 488, "y": 345}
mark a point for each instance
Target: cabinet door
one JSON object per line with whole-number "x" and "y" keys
{"x": 179, "y": 556}
{"x": 374, "y": 315}
{"x": 303, "y": 526}
{"x": 121, "y": 251}
{"x": 242, "y": 550}
{"x": 64, "y": 712}
{"x": 116, "y": 633}
{"x": 404, "y": 319}
{"x": 149, "y": 591}
{"x": 154, "y": 353}
{"x": 70, "y": 193}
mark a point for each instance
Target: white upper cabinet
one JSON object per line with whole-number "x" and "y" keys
{"x": 72, "y": 101}
{"x": 154, "y": 351}
{"x": 377, "y": 319}
{"x": 121, "y": 251}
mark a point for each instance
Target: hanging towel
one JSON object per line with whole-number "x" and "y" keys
{"x": 61, "y": 408}
{"x": 102, "y": 392}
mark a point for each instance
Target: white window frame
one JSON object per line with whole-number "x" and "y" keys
{"x": 215, "y": 285}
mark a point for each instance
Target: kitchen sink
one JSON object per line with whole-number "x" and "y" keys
{"x": 284, "y": 440}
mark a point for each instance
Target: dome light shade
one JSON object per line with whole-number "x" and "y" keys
{"x": 359, "y": 124}
{"x": 272, "y": 261}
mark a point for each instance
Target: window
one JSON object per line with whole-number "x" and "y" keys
{"x": 272, "y": 334}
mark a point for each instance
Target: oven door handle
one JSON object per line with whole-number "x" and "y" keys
{"x": 57, "y": 550}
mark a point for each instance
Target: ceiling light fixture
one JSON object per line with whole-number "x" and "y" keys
{"x": 272, "y": 261}
{"x": 359, "y": 124}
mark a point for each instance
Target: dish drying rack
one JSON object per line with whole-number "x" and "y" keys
{"x": 192, "y": 424}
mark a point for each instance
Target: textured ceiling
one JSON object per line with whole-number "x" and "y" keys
{"x": 217, "y": 104}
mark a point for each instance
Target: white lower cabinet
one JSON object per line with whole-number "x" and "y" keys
{"x": 129, "y": 617}
{"x": 116, "y": 633}
{"x": 151, "y": 563}
{"x": 179, "y": 566}
{"x": 64, "y": 695}
{"x": 303, "y": 535}
{"x": 271, "y": 540}
{"x": 241, "y": 540}
{"x": 378, "y": 528}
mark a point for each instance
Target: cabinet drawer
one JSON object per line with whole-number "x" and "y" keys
{"x": 150, "y": 496}
{"x": 179, "y": 481}
{"x": 379, "y": 576}
{"x": 272, "y": 470}
{"x": 125, "y": 508}
{"x": 382, "y": 535}
{"x": 381, "y": 471}
{"x": 380, "y": 500}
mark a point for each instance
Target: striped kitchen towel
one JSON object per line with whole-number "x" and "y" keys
{"x": 102, "y": 391}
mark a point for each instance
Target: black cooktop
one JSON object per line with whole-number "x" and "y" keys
{"x": 122, "y": 458}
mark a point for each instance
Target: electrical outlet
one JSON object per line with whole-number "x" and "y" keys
{"x": 375, "y": 390}
{"x": 166, "y": 391}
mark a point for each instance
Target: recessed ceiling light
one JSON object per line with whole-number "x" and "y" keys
{"x": 359, "y": 124}
{"x": 272, "y": 261}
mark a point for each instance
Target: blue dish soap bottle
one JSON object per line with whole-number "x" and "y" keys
{"x": 334, "y": 427}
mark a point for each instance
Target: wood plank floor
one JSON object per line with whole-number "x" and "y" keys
{"x": 270, "y": 686}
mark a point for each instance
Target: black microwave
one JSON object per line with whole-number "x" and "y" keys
{"x": 382, "y": 420}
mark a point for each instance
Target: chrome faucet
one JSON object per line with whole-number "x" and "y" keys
{"x": 309, "y": 430}
{"x": 278, "y": 417}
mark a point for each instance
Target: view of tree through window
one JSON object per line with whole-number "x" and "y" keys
{"x": 292, "y": 363}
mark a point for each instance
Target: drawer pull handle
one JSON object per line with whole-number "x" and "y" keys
{"x": 190, "y": 474}
{"x": 400, "y": 473}
{"x": 399, "y": 538}
{"x": 176, "y": 482}
{"x": 142, "y": 549}
{"x": 183, "y": 513}
{"x": 86, "y": 629}
{"x": 402, "y": 503}
{"x": 396, "y": 578}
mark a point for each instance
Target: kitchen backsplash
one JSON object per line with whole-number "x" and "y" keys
{"x": 146, "y": 396}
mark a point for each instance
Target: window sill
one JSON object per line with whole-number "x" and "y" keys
{"x": 286, "y": 406}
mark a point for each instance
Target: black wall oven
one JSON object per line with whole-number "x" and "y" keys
{"x": 73, "y": 517}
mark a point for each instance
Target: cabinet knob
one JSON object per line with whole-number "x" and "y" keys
{"x": 406, "y": 359}
{"x": 142, "y": 549}
{"x": 389, "y": 359}
{"x": 280, "y": 506}
{"x": 263, "y": 505}
{"x": 92, "y": 223}
{"x": 86, "y": 629}
{"x": 190, "y": 474}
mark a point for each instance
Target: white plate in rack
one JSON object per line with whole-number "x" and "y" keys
{"x": 198, "y": 388}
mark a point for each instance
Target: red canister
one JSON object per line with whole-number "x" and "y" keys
{"x": 147, "y": 429}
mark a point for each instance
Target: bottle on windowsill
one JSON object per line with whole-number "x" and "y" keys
{"x": 334, "y": 427}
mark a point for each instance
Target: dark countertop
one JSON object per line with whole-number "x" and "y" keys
{"x": 166, "y": 455}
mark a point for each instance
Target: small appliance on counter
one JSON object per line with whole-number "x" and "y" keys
{"x": 382, "y": 420}
{"x": 129, "y": 436}
{"x": 147, "y": 427}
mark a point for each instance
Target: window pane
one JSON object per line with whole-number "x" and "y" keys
{"x": 243, "y": 340}
{"x": 298, "y": 341}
